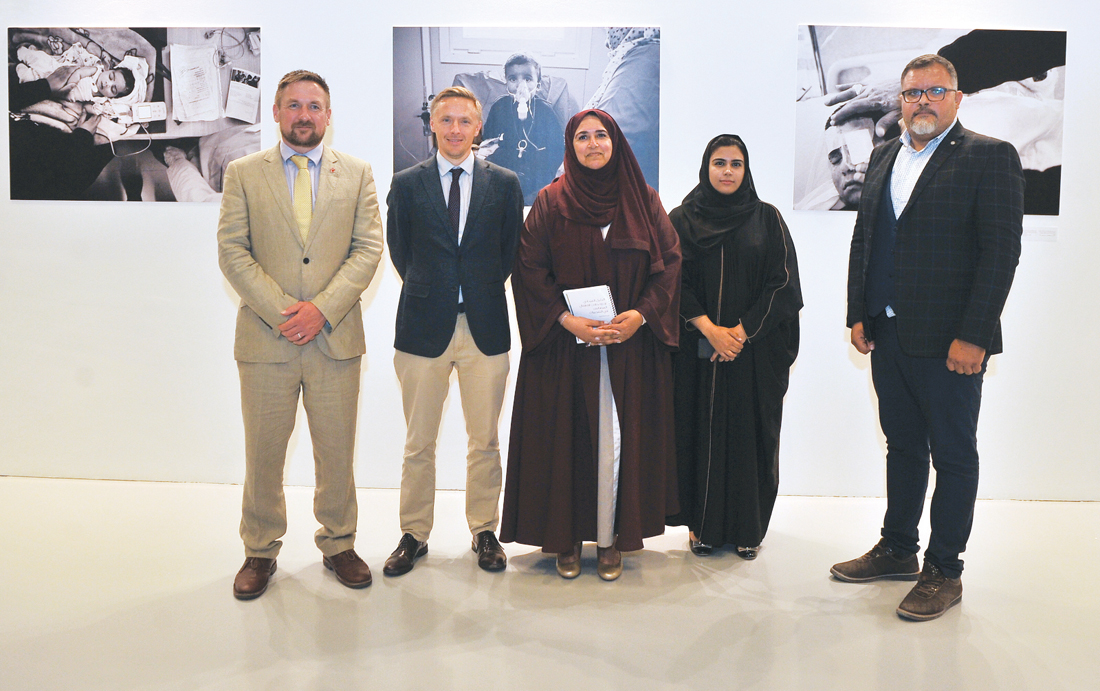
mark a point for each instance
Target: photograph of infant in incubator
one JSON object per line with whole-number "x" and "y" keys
{"x": 128, "y": 113}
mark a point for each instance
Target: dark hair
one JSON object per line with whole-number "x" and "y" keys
{"x": 128, "y": 81}
{"x": 523, "y": 59}
{"x": 725, "y": 140}
{"x": 927, "y": 61}
{"x": 299, "y": 76}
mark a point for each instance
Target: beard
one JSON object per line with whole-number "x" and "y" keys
{"x": 923, "y": 126}
{"x": 310, "y": 140}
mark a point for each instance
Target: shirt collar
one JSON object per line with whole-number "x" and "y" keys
{"x": 445, "y": 166}
{"x": 907, "y": 139}
{"x": 313, "y": 154}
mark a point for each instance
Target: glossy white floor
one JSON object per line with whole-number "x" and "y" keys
{"x": 126, "y": 585}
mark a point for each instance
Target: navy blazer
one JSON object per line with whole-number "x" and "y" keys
{"x": 433, "y": 265}
{"x": 957, "y": 246}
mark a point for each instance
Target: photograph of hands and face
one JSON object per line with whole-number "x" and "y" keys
{"x": 847, "y": 103}
{"x": 130, "y": 114}
{"x": 529, "y": 81}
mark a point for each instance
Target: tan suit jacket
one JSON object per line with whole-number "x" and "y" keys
{"x": 261, "y": 253}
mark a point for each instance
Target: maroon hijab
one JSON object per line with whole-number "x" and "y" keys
{"x": 615, "y": 194}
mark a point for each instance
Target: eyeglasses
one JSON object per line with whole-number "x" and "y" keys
{"x": 935, "y": 94}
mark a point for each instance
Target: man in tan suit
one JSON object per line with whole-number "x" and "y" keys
{"x": 299, "y": 239}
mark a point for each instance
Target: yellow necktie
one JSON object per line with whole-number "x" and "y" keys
{"x": 303, "y": 196}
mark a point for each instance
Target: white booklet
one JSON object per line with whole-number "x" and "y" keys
{"x": 594, "y": 302}
{"x": 243, "y": 100}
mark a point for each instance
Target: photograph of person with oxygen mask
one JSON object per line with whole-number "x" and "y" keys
{"x": 522, "y": 132}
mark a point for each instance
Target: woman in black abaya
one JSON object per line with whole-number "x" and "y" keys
{"x": 738, "y": 340}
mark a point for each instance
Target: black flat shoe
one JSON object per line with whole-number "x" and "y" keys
{"x": 700, "y": 548}
{"x": 748, "y": 553}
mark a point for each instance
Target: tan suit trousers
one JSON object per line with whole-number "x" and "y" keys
{"x": 269, "y": 400}
{"x": 425, "y": 383}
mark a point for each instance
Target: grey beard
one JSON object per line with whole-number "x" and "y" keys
{"x": 922, "y": 127}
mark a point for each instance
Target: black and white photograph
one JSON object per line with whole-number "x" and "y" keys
{"x": 246, "y": 77}
{"x": 529, "y": 82}
{"x": 848, "y": 79}
{"x": 129, "y": 114}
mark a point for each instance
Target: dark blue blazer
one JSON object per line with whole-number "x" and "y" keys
{"x": 957, "y": 246}
{"x": 433, "y": 265}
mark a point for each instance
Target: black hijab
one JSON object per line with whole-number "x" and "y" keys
{"x": 706, "y": 215}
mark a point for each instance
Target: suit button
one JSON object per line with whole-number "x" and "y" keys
{"x": 454, "y": 289}
{"x": 306, "y": 260}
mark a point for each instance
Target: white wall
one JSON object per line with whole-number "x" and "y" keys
{"x": 117, "y": 329}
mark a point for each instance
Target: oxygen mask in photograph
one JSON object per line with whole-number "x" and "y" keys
{"x": 523, "y": 98}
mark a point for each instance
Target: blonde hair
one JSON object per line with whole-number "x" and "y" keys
{"x": 456, "y": 92}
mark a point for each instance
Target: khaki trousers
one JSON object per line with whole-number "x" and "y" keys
{"x": 424, "y": 386}
{"x": 269, "y": 400}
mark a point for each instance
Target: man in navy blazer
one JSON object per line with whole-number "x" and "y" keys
{"x": 935, "y": 248}
{"x": 453, "y": 222}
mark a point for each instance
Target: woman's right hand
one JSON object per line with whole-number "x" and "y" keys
{"x": 727, "y": 342}
{"x": 590, "y": 331}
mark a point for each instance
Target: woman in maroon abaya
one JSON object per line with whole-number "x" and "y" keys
{"x": 592, "y": 452}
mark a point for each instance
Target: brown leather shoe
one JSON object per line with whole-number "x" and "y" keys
{"x": 490, "y": 555}
{"x": 401, "y": 560}
{"x": 252, "y": 579}
{"x": 349, "y": 569}
{"x": 933, "y": 595}
{"x": 882, "y": 562}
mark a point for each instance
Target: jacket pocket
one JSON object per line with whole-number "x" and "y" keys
{"x": 416, "y": 290}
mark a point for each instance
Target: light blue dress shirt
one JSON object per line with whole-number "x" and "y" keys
{"x": 909, "y": 165}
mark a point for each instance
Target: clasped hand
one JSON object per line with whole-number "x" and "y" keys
{"x": 727, "y": 341}
{"x": 306, "y": 321}
{"x": 595, "y": 332}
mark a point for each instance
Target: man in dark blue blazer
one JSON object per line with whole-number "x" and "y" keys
{"x": 452, "y": 226}
{"x": 935, "y": 248}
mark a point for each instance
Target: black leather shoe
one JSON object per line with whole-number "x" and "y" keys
{"x": 748, "y": 553}
{"x": 700, "y": 548}
{"x": 490, "y": 555}
{"x": 401, "y": 560}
